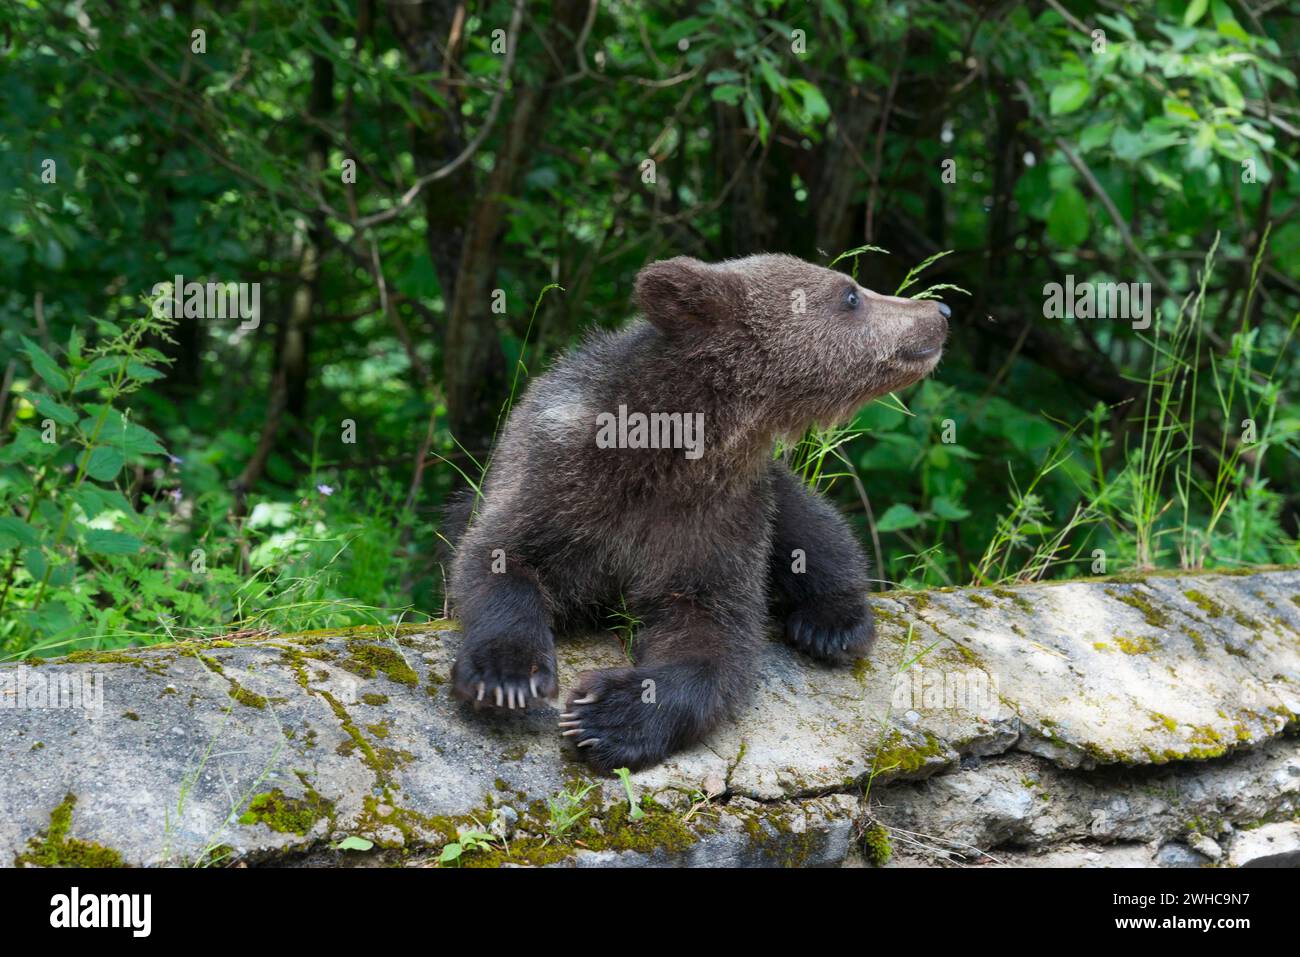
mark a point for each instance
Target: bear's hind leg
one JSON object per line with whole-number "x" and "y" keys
{"x": 818, "y": 574}
{"x": 692, "y": 666}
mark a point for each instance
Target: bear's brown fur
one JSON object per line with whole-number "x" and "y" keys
{"x": 699, "y": 545}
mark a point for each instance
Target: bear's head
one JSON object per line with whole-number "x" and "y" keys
{"x": 809, "y": 343}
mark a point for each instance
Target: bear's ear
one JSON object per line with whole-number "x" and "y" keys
{"x": 682, "y": 293}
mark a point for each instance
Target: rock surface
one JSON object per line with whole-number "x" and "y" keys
{"x": 1095, "y": 723}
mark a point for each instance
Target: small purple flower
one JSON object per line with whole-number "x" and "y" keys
{"x": 176, "y": 495}
{"x": 174, "y": 460}
{"x": 326, "y": 490}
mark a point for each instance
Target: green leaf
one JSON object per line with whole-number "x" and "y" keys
{"x": 899, "y": 517}
{"x": 121, "y": 433}
{"x": 946, "y": 508}
{"x": 48, "y": 408}
{"x": 34, "y": 562}
{"x": 1067, "y": 218}
{"x": 104, "y": 541}
{"x": 1069, "y": 96}
{"x": 450, "y": 853}
{"x": 143, "y": 373}
{"x": 94, "y": 500}
{"x": 103, "y": 463}
{"x": 1096, "y": 135}
{"x": 27, "y": 447}
{"x": 1195, "y": 10}
{"x": 728, "y": 93}
{"x": 45, "y": 366}
{"x": 354, "y": 843}
{"x": 1130, "y": 146}
{"x": 1180, "y": 110}
{"x": 815, "y": 107}
{"x": 14, "y": 531}
{"x": 774, "y": 80}
{"x": 683, "y": 28}
{"x": 1233, "y": 30}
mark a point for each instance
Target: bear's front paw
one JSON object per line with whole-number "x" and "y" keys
{"x": 505, "y": 667}
{"x": 615, "y": 723}
{"x": 835, "y": 628}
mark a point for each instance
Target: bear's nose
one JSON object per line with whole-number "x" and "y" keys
{"x": 945, "y": 311}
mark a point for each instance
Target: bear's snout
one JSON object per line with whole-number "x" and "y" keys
{"x": 928, "y": 335}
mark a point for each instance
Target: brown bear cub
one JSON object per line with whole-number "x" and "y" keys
{"x": 638, "y": 474}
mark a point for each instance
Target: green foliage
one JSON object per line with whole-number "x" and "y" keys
{"x": 467, "y": 842}
{"x": 171, "y": 478}
{"x": 565, "y": 810}
{"x": 102, "y": 546}
{"x": 634, "y": 812}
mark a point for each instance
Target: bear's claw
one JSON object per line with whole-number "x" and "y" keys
{"x": 614, "y": 727}
{"x": 504, "y": 673}
{"x": 837, "y": 629}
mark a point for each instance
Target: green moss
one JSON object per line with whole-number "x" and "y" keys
{"x": 1163, "y": 719}
{"x": 1204, "y": 602}
{"x": 1198, "y": 642}
{"x": 130, "y": 716}
{"x": 245, "y": 697}
{"x": 101, "y": 658}
{"x": 367, "y": 660}
{"x": 980, "y": 600}
{"x": 288, "y": 815}
{"x": 216, "y": 856}
{"x": 152, "y": 663}
{"x": 371, "y": 698}
{"x": 388, "y": 758}
{"x": 770, "y": 832}
{"x": 895, "y": 755}
{"x": 56, "y": 849}
{"x": 876, "y": 845}
{"x": 384, "y": 631}
{"x": 1135, "y": 646}
{"x": 377, "y": 763}
{"x": 1204, "y": 734}
{"x": 1019, "y": 600}
{"x": 862, "y": 668}
{"x": 211, "y": 662}
{"x": 1152, "y": 615}
{"x": 661, "y": 829}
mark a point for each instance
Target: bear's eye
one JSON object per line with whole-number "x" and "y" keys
{"x": 851, "y": 299}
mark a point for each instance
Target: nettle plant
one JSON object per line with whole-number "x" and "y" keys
{"x": 100, "y": 546}
{"x": 78, "y": 484}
